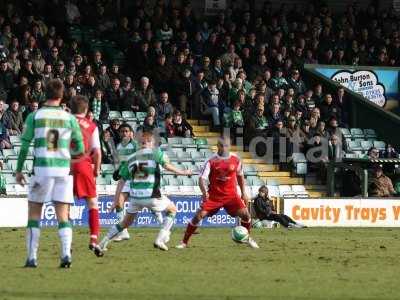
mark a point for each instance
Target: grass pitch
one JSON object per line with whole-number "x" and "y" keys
{"x": 291, "y": 264}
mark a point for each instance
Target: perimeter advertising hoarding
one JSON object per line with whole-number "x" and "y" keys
{"x": 344, "y": 212}
{"x": 14, "y": 213}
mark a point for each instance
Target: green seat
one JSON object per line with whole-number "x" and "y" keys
{"x": 345, "y": 132}
{"x": 103, "y": 180}
{"x": 354, "y": 146}
{"x": 175, "y": 142}
{"x": 107, "y": 169}
{"x": 397, "y": 187}
{"x": 12, "y": 164}
{"x": 357, "y": 133}
{"x": 206, "y": 153}
{"x": 15, "y": 139}
{"x": 186, "y": 181}
{"x": 197, "y": 156}
{"x": 380, "y": 145}
{"x": 249, "y": 170}
{"x": 140, "y": 115}
{"x": 188, "y": 143}
{"x": 114, "y": 114}
{"x": 9, "y": 153}
{"x": 227, "y": 120}
{"x": 128, "y": 115}
{"x": 366, "y": 145}
{"x": 370, "y": 133}
{"x": 184, "y": 156}
{"x": 201, "y": 143}
{"x": 174, "y": 181}
{"x": 188, "y": 165}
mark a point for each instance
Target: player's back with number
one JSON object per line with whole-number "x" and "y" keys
{"x": 52, "y": 129}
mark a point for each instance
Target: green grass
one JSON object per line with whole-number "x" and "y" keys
{"x": 298, "y": 264}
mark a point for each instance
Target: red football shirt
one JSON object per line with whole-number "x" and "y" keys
{"x": 222, "y": 174}
{"x": 90, "y": 134}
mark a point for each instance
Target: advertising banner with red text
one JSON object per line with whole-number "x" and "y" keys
{"x": 344, "y": 212}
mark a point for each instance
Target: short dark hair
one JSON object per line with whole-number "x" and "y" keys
{"x": 55, "y": 89}
{"x": 79, "y": 104}
{"x": 125, "y": 125}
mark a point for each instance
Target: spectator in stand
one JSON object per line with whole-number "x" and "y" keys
{"x": 32, "y": 107}
{"x": 184, "y": 92}
{"x": 114, "y": 95}
{"x": 113, "y": 129}
{"x": 212, "y": 104}
{"x": 38, "y": 94}
{"x": 99, "y": 107}
{"x": 2, "y": 108}
{"x": 163, "y": 107}
{"x": 390, "y": 152}
{"x": 5, "y": 142}
{"x": 103, "y": 80}
{"x": 182, "y": 127}
{"x": 12, "y": 119}
{"x": 169, "y": 126}
{"x": 6, "y": 80}
{"x": 381, "y": 185}
{"x": 145, "y": 96}
{"x": 108, "y": 149}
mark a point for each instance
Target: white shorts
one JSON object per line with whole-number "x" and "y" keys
{"x": 155, "y": 204}
{"x": 126, "y": 188}
{"x": 45, "y": 189}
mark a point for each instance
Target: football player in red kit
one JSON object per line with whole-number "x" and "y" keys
{"x": 224, "y": 172}
{"x": 87, "y": 167}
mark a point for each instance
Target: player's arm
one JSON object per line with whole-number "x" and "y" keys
{"x": 204, "y": 173}
{"x": 163, "y": 160}
{"x": 26, "y": 139}
{"x": 242, "y": 184}
{"x": 96, "y": 152}
{"x": 77, "y": 139}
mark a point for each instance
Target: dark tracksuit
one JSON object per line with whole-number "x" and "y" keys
{"x": 264, "y": 209}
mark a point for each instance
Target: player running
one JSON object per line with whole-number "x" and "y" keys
{"x": 87, "y": 168}
{"x": 126, "y": 148}
{"x": 224, "y": 172}
{"x": 52, "y": 130}
{"x": 143, "y": 171}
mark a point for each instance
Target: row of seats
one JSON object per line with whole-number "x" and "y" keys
{"x": 358, "y": 133}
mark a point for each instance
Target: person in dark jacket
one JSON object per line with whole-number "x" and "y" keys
{"x": 265, "y": 210}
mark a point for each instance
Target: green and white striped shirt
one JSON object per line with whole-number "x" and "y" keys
{"x": 126, "y": 150}
{"x": 52, "y": 130}
{"x": 143, "y": 171}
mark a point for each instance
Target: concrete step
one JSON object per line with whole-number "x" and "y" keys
{"x": 266, "y": 167}
{"x": 205, "y": 134}
{"x": 317, "y": 194}
{"x": 253, "y": 161}
{"x": 315, "y": 187}
{"x": 198, "y": 122}
{"x": 274, "y": 174}
{"x": 285, "y": 180}
{"x": 201, "y": 128}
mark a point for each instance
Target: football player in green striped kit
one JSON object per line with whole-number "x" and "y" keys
{"x": 52, "y": 130}
{"x": 143, "y": 171}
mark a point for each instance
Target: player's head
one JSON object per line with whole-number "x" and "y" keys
{"x": 223, "y": 146}
{"x": 146, "y": 139}
{"x": 55, "y": 89}
{"x": 125, "y": 131}
{"x": 79, "y": 105}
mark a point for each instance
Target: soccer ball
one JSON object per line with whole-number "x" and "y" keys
{"x": 240, "y": 234}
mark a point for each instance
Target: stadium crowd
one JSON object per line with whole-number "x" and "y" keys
{"x": 240, "y": 68}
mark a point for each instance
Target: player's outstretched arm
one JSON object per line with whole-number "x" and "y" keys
{"x": 26, "y": 139}
{"x": 117, "y": 198}
{"x": 172, "y": 168}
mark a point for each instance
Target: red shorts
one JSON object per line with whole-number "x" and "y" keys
{"x": 84, "y": 182}
{"x": 231, "y": 206}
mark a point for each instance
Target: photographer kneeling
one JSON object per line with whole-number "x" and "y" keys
{"x": 265, "y": 210}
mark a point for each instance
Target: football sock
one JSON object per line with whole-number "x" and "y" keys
{"x": 190, "y": 229}
{"x": 65, "y": 234}
{"x": 112, "y": 233}
{"x": 245, "y": 224}
{"x": 32, "y": 238}
{"x": 159, "y": 217}
{"x": 94, "y": 224}
{"x": 168, "y": 221}
{"x": 120, "y": 213}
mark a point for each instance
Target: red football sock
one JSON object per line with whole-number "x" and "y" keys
{"x": 247, "y": 225}
{"x": 190, "y": 229}
{"x": 94, "y": 224}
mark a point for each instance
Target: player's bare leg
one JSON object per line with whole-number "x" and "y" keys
{"x": 165, "y": 231}
{"x": 33, "y": 233}
{"x": 94, "y": 224}
{"x": 191, "y": 227}
{"x": 64, "y": 232}
{"x": 113, "y": 232}
{"x": 245, "y": 221}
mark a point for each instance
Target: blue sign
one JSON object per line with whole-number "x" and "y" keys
{"x": 377, "y": 85}
{"x": 186, "y": 207}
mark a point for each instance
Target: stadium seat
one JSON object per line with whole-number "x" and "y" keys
{"x": 15, "y": 139}
{"x": 285, "y": 191}
{"x": 357, "y": 133}
{"x": 187, "y": 181}
{"x": 345, "y": 132}
{"x": 254, "y": 180}
{"x": 370, "y": 134}
{"x": 380, "y": 145}
{"x": 114, "y": 114}
{"x": 206, "y": 153}
{"x": 107, "y": 169}
{"x": 197, "y": 156}
{"x": 175, "y": 142}
{"x": 188, "y": 165}
{"x": 300, "y": 163}
{"x": 28, "y": 165}
{"x": 273, "y": 190}
{"x": 100, "y": 180}
{"x": 12, "y": 164}
{"x": 366, "y": 145}
{"x": 105, "y": 126}
{"x": 249, "y": 170}
{"x": 140, "y": 115}
{"x": 183, "y": 156}
{"x": 273, "y": 182}
{"x": 354, "y": 146}
{"x": 128, "y": 115}
{"x": 201, "y": 143}
{"x": 188, "y": 143}
{"x": 9, "y": 153}
{"x": 10, "y": 179}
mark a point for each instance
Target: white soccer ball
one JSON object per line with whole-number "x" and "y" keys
{"x": 240, "y": 234}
